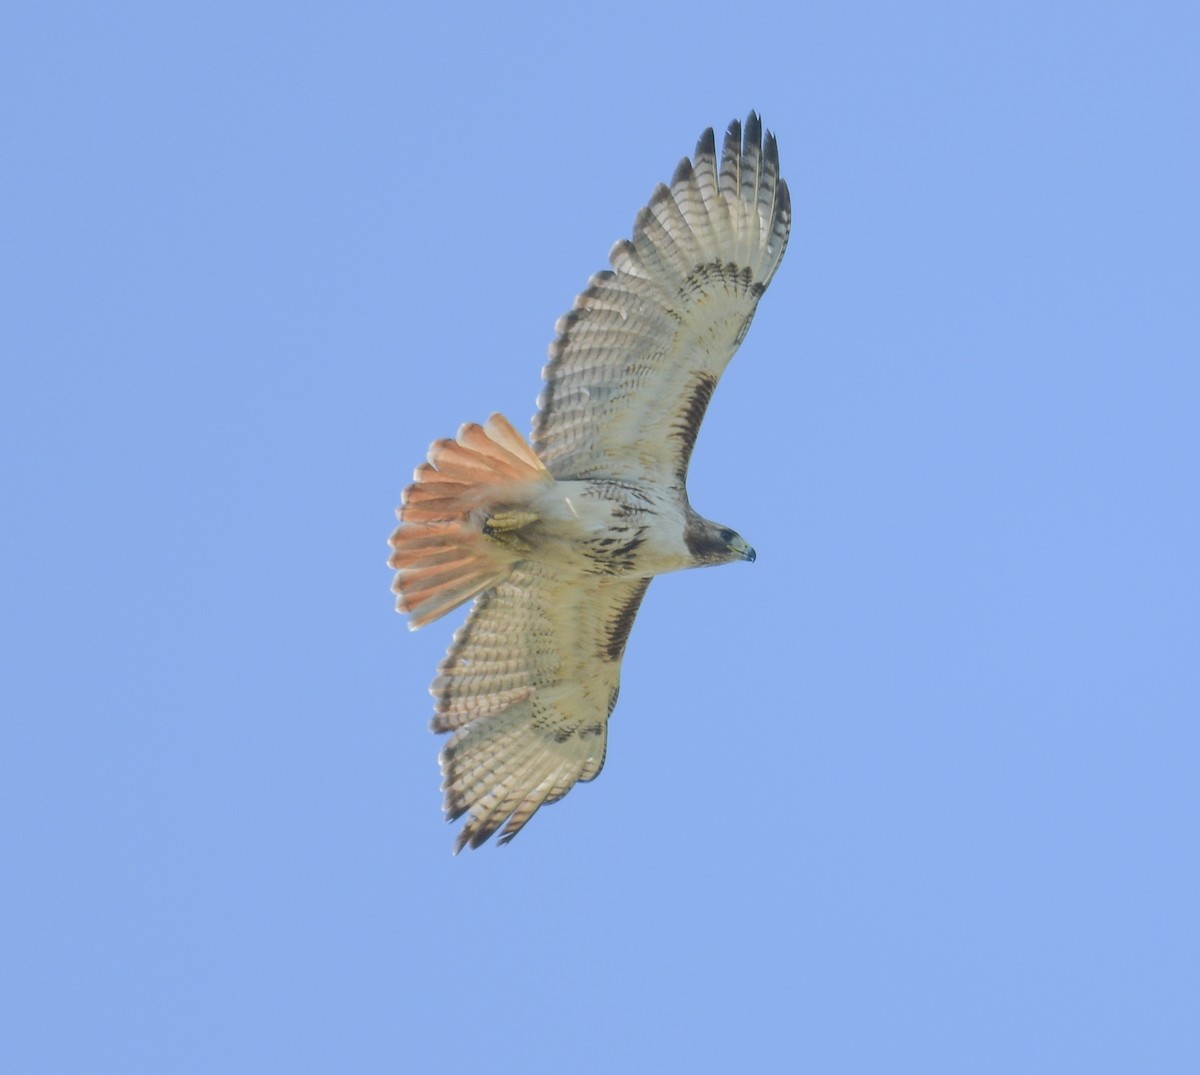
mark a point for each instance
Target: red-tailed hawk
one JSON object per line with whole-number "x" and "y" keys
{"x": 558, "y": 539}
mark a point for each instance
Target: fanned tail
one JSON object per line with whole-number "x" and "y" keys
{"x": 443, "y": 555}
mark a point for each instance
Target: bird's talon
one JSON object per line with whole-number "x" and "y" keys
{"x": 506, "y": 521}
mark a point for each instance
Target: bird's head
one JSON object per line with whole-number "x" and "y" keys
{"x": 711, "y": 543}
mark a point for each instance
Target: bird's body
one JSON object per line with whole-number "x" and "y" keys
{"x": 558, "y": 539}
{"x": 600, "y": 527}
{"x": 605, "y": 528}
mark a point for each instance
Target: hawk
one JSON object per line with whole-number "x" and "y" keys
{"x": 557, "y": 538}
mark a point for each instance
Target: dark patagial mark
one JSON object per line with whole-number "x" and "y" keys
{"x": 617, "y": 629}
{"x": 687, "y": 423}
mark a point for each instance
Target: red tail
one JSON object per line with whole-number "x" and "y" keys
{"x": 442, "y": 555}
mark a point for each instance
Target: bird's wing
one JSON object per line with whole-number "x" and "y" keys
{"x": 527, "y": 688}
{"x": 637, "y": 358}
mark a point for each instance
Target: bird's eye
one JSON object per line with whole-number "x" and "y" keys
{"x": 727, "y": 536}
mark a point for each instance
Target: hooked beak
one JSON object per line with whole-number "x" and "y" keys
{"x": 743, "y": 548}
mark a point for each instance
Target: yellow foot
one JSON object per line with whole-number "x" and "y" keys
{"x": 503, "y": 526}
{"x": 504, "y": 522}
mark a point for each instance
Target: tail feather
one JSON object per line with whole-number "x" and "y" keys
{"x": 456, "y": 463}
{"x": 441, "y": 554}
{"x": 431, "y": 510}
{"x": 502, "y": 433}
{"x": 427, "y": 473}
{"x": 522, "y": 462}
{"x": 436, "y": 578}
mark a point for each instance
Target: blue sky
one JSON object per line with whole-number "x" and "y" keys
{"x": 915, "y": 792}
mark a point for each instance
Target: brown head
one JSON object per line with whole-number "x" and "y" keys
{"x": 711, "y": 543}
